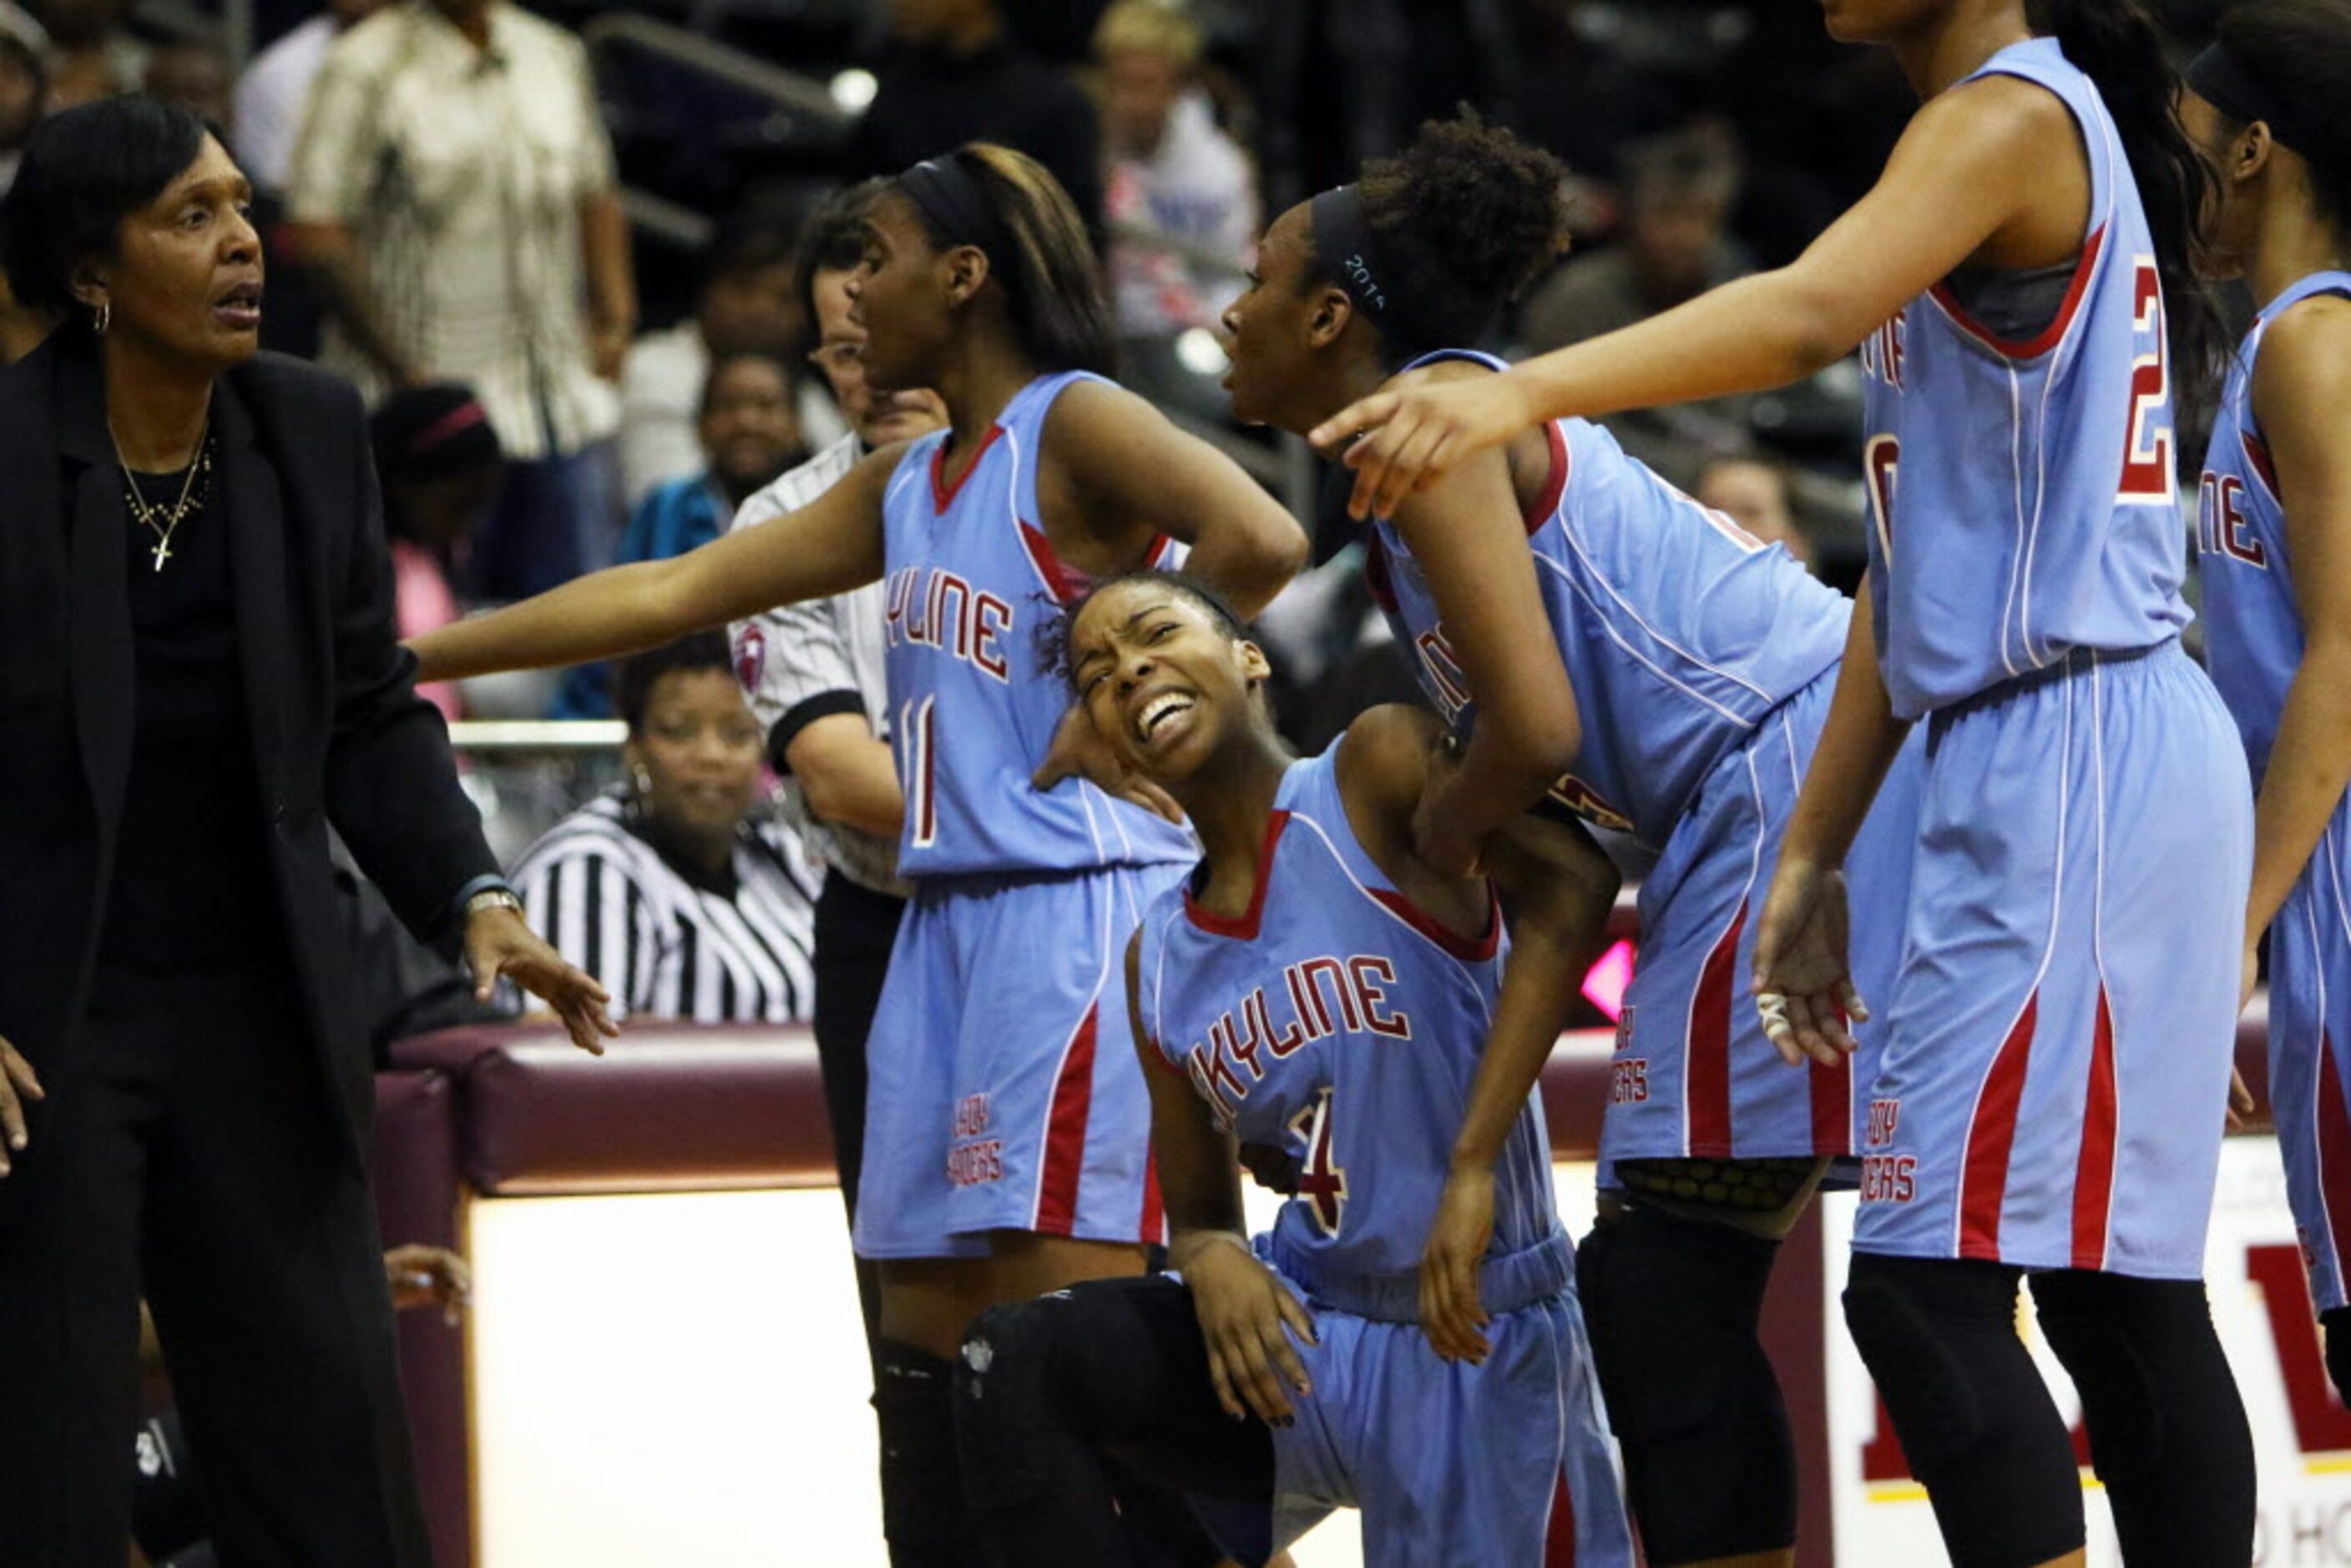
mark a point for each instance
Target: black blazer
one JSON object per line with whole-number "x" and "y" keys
{"x": 338, "y": 731}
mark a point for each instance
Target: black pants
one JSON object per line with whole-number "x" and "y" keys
{"x": 1058, "y": 1396}
{"x": 855, "y": 928}
{"x": 190, "y": 1153}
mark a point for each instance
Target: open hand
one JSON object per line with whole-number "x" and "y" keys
{"x": 1079, "y": 751}
{"x": 1249, "y": 1318}
{"x": 19, "y": 1083}
{"x": 1416, "y": 429}
{"x": 1803, "y": 981}
{"x": 1451, "y": 1314}
{"x": 497, "y": 942}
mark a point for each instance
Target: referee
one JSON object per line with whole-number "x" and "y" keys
{"x": 814, "y": 675}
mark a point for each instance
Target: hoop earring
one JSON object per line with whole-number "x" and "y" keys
{"x": 102, "y": 317}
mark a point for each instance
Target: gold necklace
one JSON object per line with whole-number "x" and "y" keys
{"x": 146, "y": 513}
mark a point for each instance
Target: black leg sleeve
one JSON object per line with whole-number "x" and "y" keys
{"x": 922, "y": 1511}
{"x": 1981, "y": 1433}
{"x": 2167, "y": 1431}
{"x": 1056, "y": 1396}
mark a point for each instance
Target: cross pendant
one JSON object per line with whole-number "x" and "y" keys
{"x": 162, "y": 554}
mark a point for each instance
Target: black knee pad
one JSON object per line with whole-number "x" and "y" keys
{"x": 1977, "y": 1422}
{"x": 922, "y": 1511}
{"x": 1002, "y": 1401}
{"x": 2109, "y": 1368}
{"x": 2336, "y": 1326}
{"x": 1671, "y": 1307}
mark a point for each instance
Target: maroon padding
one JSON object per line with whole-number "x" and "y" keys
{"x": 414, "y": 1171}
{"x": 1576, "y": 1091}
{"x": 666, "y": 1108}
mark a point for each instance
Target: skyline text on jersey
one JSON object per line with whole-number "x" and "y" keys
{"x": 928, "y": 606}
{"x": 1325, "y": 996}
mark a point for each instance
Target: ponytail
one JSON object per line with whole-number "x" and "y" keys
{"x": 2118, "y": 45}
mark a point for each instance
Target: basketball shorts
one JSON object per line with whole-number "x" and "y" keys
{"x": 1694, "y": 1075}
{"x": 2056, "y": 1057}
{"x": 1003, "y": 1091}
{"x": 1454, "y": 1466}
{"x": 2310, "y": 1031}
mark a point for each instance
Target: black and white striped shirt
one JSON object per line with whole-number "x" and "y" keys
{"x": 663, "y": 944}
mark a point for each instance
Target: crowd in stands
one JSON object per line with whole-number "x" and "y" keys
{"x": 442, "y": 188}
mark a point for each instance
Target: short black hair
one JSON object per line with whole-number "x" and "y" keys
{"x": 634, "y": 678}
{"x": 1466, "y": 216}
{"x": 721, "y": 363}
{"x": 84, "y": 171}
{"x": 1053, "y": 638}
{"x": 833, "y": 240}
{"x": 2301, "y": 51}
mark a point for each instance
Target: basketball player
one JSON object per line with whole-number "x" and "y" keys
{"x": 2058, "y": 1040}
{"x": 1006, "y": 1152}
{"x": 1653, "y": 667}
{"x": 1321, "y": 992}
{"x": 2265, "y": 104}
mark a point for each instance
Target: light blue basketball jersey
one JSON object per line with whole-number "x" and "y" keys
{"x": 2022, "y": 491}
{"x": 1680, "y": 631}
{"x": 1338, "y": 1023}
{"x": 971, "y": 583}
{"x": 2252, "y": 630}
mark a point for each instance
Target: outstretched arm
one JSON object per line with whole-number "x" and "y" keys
{"x": 829, "y": 546}
{"x": 1972, "y": 162}
{"x": 2302, "y": 386}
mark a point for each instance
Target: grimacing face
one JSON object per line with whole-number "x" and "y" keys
{"x": 1162, "y": 684}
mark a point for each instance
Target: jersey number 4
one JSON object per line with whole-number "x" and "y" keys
{"x": 1322, "y": 1183}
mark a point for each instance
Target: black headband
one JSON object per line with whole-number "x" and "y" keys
{"x": 2221, "y": 79}
{"x": 1343, "y": 238}
{"x": 953, "y": 202}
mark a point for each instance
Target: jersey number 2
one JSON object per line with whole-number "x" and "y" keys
{"x": 2147, "y": 474}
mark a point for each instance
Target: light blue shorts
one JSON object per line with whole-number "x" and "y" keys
{"x": 1003, "y": 1089}
{"x": 2056, "y": 1058}
{"x": 2310, "y": 1033}
{"x": 1694, "y": 1074}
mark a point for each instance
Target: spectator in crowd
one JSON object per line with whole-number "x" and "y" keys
{"x": 195, "y": 74}
{"x": 272, "y": 93}
{"x": 1755, "y": 493}
{"x": 749, "y": 435}
{"x": 1180, "y": 196}
{"x": 453, "y": 186}
{"x": 954, "y": 76}
{"x": 91, "y": 54}
{"x": 1680, "y": 189}
{"x": 747, "y": 305}
{"x": 439, "y": 463}
{"x": 814, "y": 675}
{"x": 23, "y": 86}
{"x": 670, "y": 889}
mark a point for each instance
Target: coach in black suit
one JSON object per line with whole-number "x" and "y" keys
{"x": 198, "y": 674}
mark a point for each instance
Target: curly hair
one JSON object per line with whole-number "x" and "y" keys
{"x": 1466, "y": 216}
